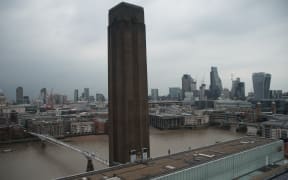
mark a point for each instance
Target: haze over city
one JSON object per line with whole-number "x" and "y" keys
{"x": 63, "y": 44}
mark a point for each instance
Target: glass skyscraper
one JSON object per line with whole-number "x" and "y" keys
{"x": 261, "y": 85}
{"x": 215, "y": 84}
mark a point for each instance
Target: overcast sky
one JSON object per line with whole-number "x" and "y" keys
{"x": 62, "y": 44}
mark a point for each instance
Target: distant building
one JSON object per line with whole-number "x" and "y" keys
{"x": 81, "y": 128}
{"x": 43, "y": 94}
{"x": 26, "y": 100}
{"x": 154, "y": 94}
{"x": 225, "y": 93}
{"x": 166, "y": 121}
{"x": 91, "y": 99}
{"x": 19, "y": 95}
{"x": 202, "y": 94}
{"x": 76, "y": 95}
{"x": 238, "y": 90}
{"x": 275, "y": 94}
{"x": 222, "y": 104}
{"x": 175, "y": 93}
{"x": 86, "y": 94}
{"x": 100, "y": 97}
{"x": 186, "y": 84}
{"x": 2, "y": 100}
{"x": 59, "y": 99}
{"x": 189, "y": 98}
{"x": 215, "y": 84}
{"x": 276, "y": 127}
{"x": 261, "y": 85}
{"x": 193, "y": 85}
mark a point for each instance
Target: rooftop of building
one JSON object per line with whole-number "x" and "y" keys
{"x": 168, "y": 164}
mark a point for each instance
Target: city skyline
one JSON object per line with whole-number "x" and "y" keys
{"x": 64, "y": 47}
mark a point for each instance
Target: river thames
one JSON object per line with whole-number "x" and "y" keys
{"x": 31, "y": 161}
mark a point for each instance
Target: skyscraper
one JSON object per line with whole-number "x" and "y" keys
{"x": 175, "y": 93}
{"x": 202, "y": 95}
{"x": 100, "y": 97}
{"x": 19, "y": 95}
{"x": 86, "y": 94}
{"x": 127, "y": 86}
{"x": 261, "y": 85}
{"x": 43, "y": 94}
{"x": 215, "y": 84}
{"x": 154, "y": 94}
{"x": 186, "y": 84}
{"x": 238, "y": 89}
{"x": 76, "y": 95}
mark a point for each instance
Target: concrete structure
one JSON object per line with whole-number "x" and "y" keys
{"x": 261, "y": 85}
{"x": 127, "y": 86}
{"x": 215, "y": 84}
{"x": 19, "y": 95}
{"x": 221, "y": 161}
{"x": 154, "y": 95}
{"x": 76, "y": 95}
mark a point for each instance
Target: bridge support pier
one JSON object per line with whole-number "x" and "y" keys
{"x": 43, "y": 145}
{"x": 90, "y": 166}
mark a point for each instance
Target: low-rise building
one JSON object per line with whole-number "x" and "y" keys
{"x": 166, "y": 121}
{"x": 195, "y": 121}
{"x": 80, "y": 127}
{"x": 276, "y": 127}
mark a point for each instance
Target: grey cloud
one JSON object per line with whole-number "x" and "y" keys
{"x": 63, "y": 44}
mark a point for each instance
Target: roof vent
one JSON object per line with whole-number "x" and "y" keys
{"x": 169, "y": 167}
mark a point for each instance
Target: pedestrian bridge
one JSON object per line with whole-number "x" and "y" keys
{"x": 88, "y": 155}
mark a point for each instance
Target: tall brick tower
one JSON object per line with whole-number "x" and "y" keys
{"x": 127, "y": 76}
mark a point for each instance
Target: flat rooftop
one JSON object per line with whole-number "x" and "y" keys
{"x": 168, "y": 164}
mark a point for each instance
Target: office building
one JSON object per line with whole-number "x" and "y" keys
{"x": 100, "y": 97}
{"x": 19, "y": 95}
{"x": 76, "y": 95}
{"x": 43, "y": 95}
{"x": 154, "y": 94}
{"x": 261, "y": 85}
{"x": 275, "y": 94}
{"x": 127, "y": 85}
{"x": 26, "y": 100}
{"x": 238, "y": 90}
{"x": 202, "y": 92}
{"x": 86, "y": 94}
{"x": 215, "y": 84}
{"x": 175, "y": 93}
{"x": 2, "y": 100}
{"x": 186, "y": 84}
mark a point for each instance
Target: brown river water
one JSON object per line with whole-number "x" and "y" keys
{"x": 33, "y": 162}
